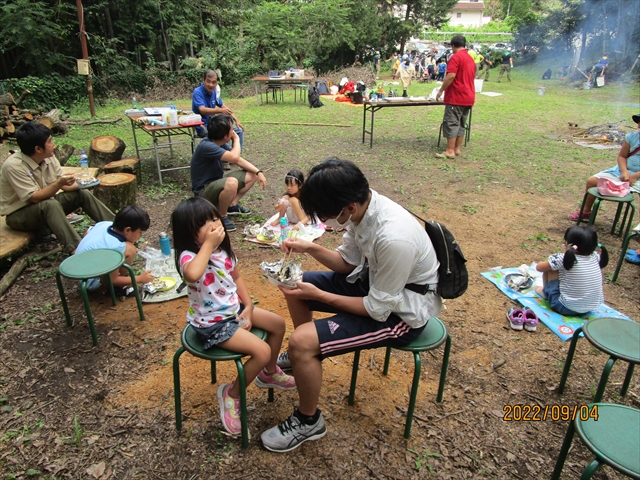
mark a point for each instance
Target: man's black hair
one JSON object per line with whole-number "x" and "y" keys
{"x": 31, "y": 135}
{"x": 331, "y": 186}
{"x": 209, "y": 73}
{"x": 133, "y": 217}
{"x": 458, "y": 41}
{"x": 219, "y": 126}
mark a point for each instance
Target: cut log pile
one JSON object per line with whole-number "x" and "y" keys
{"x": 12, "y": 116}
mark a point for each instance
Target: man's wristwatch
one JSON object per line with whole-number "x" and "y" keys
{"x": 259, "y": 171}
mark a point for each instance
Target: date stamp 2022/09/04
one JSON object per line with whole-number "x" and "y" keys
{"x": 537, "y": 413}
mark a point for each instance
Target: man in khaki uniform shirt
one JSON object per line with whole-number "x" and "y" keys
{"x": 29, "y": 181}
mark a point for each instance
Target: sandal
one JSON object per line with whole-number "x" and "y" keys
{"x": 530, "y": 320}
{"x": 516, "y": 318}
{"x": 575, "y": 216}
{"x": 632, "y": 257}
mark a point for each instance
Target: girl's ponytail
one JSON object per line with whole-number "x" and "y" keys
{"x": 604, "y": 256}
{"x": 569, "y": 259}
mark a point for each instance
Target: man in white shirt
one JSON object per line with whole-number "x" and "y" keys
{"x": 380, "y": 286}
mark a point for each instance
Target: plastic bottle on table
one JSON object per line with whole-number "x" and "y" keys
{"x": 84, "y": 164}
{"x": 165, "y": 244}
{"x": 284, "y": 229}
{"x": 173, "y": 116}
{"x": 134, "y": 103}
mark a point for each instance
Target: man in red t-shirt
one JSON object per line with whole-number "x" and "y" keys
{"x": 459, "y": 97}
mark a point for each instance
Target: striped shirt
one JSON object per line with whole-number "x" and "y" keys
{"x": 580, "y": 287}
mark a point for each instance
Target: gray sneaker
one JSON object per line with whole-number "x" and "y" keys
{"x": 283, "y": 362}
{"x": 292, "y": 433}
{"x": 74, "y": 218}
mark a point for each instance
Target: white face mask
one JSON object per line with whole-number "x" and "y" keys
{"x": 333, "y": 222}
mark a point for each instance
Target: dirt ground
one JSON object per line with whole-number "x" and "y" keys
{"x": 70, "y": 410}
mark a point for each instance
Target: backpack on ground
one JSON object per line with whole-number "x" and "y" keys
{"x": 323, "y": 88}
{"x": 452, "y": 273}
{"x": 314, "y": 97}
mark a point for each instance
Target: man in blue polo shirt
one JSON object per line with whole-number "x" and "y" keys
{"x": 206, "y": 101}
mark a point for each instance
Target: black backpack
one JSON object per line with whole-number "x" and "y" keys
{"x": 323, "y": 88}
{"x": 453, "y": 275}
{"x": 314, "y": 97}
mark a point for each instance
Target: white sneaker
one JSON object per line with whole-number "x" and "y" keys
{"x": 292, "y": 433}
{"x": 74, "y": 218}
{"x": 283, "y": 362}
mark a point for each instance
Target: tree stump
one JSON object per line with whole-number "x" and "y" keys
{"x": 126, "y": 165}
{"x": 105, "y": 149}
{"x": 117, "y": 190}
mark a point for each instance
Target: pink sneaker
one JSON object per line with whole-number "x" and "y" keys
{"x": 575, "y": 216}
{"x": 277, "y": 379}
{"x": 229, "y": 410}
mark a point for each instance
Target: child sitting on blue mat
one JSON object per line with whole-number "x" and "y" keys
{"x": 572, "y": 281}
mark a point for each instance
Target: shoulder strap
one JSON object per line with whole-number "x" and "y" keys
{"x": 631, "y": 154}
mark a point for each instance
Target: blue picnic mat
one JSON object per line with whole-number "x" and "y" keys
{"x": 562, "y": 326}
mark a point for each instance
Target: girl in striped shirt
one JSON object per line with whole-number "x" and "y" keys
{"x": 572, "y": 281}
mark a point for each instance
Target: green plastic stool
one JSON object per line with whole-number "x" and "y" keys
{"x": 613, "y": 438}
{"x": 303, "y": 88}
{"x": 192, "y": 344}
{"x": 619, "y": 338}
{"x": 628, "y": 199}
{"x": 433, "y": 335}
{"x": 92, "y": 264}
{"x": 625, "y": 246}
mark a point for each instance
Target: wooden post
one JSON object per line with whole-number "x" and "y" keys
{"x": 116, "y": 190}
{"x": 105, "y": 149}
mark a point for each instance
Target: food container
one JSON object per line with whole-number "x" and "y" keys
{"x": 286, "y": 277}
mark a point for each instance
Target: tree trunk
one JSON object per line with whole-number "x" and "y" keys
{"x": 117, "y": 190}
{"x": 63, "y": 153}
{"x": 126, "y": 165}
{"x": 105, "y": 149}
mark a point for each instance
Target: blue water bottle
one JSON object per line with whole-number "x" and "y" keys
{"x": 284, "y": 229}
{"x": 165, "y": 244}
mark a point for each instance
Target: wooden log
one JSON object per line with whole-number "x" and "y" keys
{"x": 4, "y": 110}
{"x": 22, "y": 97}
{"x": 53, "y": 121}
{"x": 7, "y": 99}
{"x": 105, "y": 149}
{"x": 10, "y": 127}
{"x": 117, "y": 190}
{"x": 27, "y": 116}
{"x": 63, "y": 153}
{"x": 2, "y": 132}
{"x": 126, "y": 165}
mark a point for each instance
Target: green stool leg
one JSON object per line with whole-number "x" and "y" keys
{"x": 387, "y": 358}
{"x": 594, "y": 212}
{"x": 176, "y": 387}
{"x": 354, "y": 376}
{"x": 564, "y": 450}
{"x": 134, "y": 284}
{"x": 633, "y": 212}
{"x": 214, "y": 376}
{"x": 63, "y": 299}
{"x": 111, "y": 290}
{"x": 567, "y": 363}
{"x": 243, "y": 404}
{"x": 625, "y": 246}
{"x": 617, "y": 217}
{"x": 627, "y": 380}
{"x": 603, "y": 379}
{"x": 588, "y": 472}
{"x": 87, "y": 309}
{"x": 584, "y": 200}
{"x": 445, "y": 367}
{"x": 414, "y": 394}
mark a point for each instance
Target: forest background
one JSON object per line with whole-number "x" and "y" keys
{"x": 136, "y": 46}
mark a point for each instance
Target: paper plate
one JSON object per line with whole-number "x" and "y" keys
{"x": 264, "y": 239}
{"x": 523, "y": 286}
{"x": 88, "y": 185}
{"x": 169, "y": 283}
